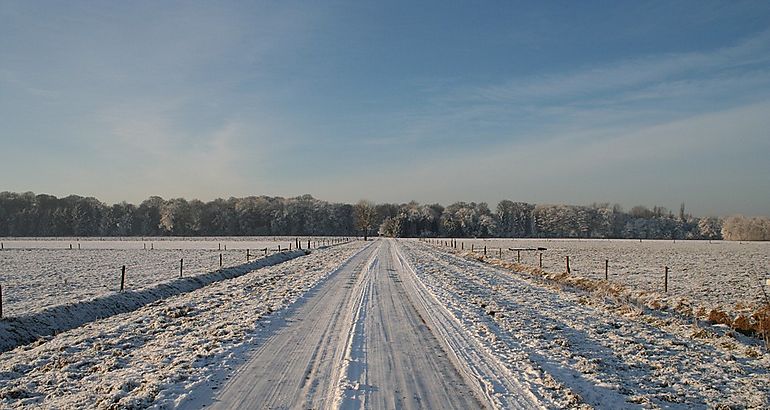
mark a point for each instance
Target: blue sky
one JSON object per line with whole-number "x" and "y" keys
{"x": 546, "y": 102}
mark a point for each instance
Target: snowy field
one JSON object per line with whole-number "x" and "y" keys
{"x": 707, "y": 273}
{"x": 387, "y": 324}
{"x": 165, "y": 242}
{"x": 40, "y": 273}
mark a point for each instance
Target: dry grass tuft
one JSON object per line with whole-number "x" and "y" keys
{"x": 719, "y": 316}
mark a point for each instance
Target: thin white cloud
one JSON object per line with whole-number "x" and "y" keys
{"x": 624, "y": 74}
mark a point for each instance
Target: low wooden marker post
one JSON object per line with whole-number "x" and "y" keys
{"x": 568, "y": 269}
{"x": 501, "y": 253}
{"x": 220, "y": 260}
{"x": 308, "y": 243}
{"x": 541, "y": 260}
{"x": 518, "y": 255}
{"x": 606, "y": 269}
{"x": 181, "y": 266}
{"x": 1, "y": 301}
{"x": 462, "y": 246}
{"x": 471, "y": 247}
{"x": 485, "y": 250}
{"x": 248, "y": 254}
{"x": 665, "y": 281}
{"x": 122, "y": 278}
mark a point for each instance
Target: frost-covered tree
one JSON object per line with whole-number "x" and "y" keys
{"x": 366, "y": 216}
{"x": 709, "y": 228}
{"x": 741, "y": 228}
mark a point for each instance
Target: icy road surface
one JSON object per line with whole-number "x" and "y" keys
{"x": 364, "y": 339}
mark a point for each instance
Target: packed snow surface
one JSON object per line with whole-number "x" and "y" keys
{"x": 372, "y": 338}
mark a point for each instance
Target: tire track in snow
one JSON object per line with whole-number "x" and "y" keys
{"x": 489, "y": 377}
{"x": 359, "y": 342}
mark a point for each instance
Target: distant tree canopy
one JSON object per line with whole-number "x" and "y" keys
{"x": 28, "y": 214}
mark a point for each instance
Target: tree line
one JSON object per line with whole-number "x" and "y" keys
{"x": 37, "y": 215}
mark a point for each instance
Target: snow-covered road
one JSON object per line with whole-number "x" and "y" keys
{"x": 359, "y": 341}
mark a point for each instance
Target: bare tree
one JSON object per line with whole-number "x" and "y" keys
{"x": 366, "y": 215}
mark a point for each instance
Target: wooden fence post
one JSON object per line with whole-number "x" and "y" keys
{"x": 485, "y": 250}
{"x": 308, "y": 243}
{"x": 1, "y": 301}
{"x": 248, "y": 253}
{"x": 122, "y": 278}
{"x": 518, "y": 255}
{"x": 665, "y": 281}
{"x": 568, "y": 270}
{"x": 541, "y": 260}
{"x": 501, "y": 253}
{"x": 181, "y": 266}
{"x": 220, "y": 260}
{"x": 606, "y": 269}
{"x": 471, "y": 247}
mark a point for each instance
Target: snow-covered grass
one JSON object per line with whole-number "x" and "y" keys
{"x": 27, "y": 328}
{"x": 161, "y": 354}
{"x": 599, "y": 352}
{"x": 41, "y": 273}
{"x": 722, "y": 274}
